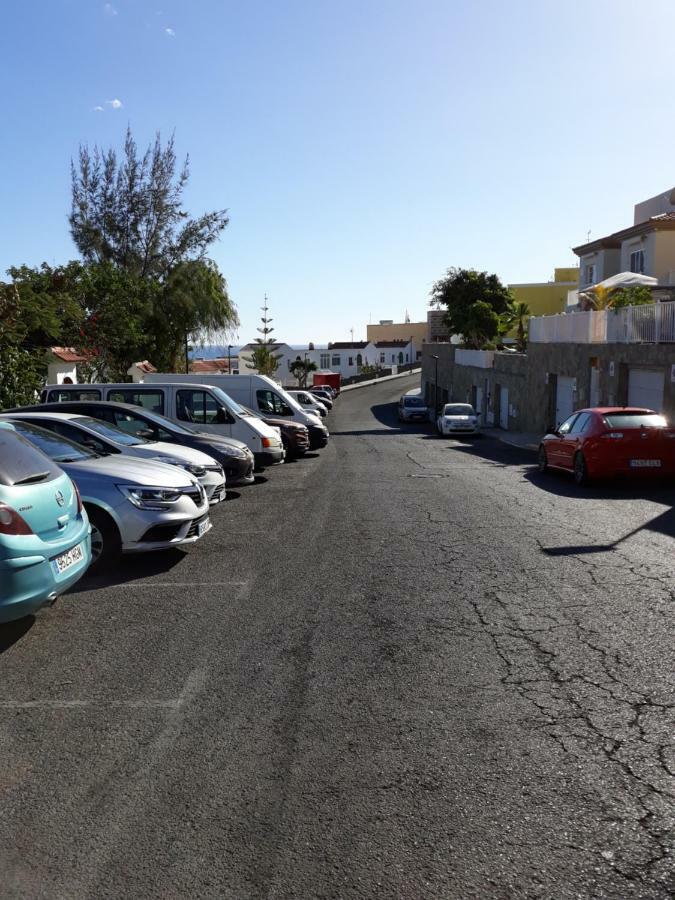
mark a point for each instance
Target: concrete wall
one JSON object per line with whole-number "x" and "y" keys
{"x": 531, "y": 378}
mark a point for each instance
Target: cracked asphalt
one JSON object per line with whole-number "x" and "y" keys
{"x": 406, "y": 667}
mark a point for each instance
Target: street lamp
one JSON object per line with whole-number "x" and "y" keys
{"x": 435, "y": 359}
{"x": 229, "y": 367}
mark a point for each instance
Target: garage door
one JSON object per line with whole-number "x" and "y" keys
{"x": 564, "y": 398}
{"x": 645, "y": 388}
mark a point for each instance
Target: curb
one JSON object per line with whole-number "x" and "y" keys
{"x": 360, "y": 384}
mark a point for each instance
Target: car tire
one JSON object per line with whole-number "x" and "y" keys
{"x": 580, "y": 470}
{"x": 106, "y": 543}
{"x": 542, "y": 460}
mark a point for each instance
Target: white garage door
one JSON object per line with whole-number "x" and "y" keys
{"x": 504, "y": 408}
{"x": 564, "y": 399}
{"x": 645, "y": 388}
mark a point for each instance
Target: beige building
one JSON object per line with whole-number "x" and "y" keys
{"x": 388, "y": 330}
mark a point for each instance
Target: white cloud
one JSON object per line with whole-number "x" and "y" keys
{"x": 98, "y": 109}
{"x": 115, "y": 104}
{"x": 109, "y": 10}
{"x": 170, "y": 32}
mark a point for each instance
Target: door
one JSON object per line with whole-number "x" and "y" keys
{"x": 201, "y": 408}
{"x": 645, "y": 388}
{"x": 479, "y": 400}
{"x": 504, "y": 408}
{"x": 555, "y": 446}
{"x": 564, "y": 398}
{"x": 595, "y": 386}
{"x": 570, "y": 439}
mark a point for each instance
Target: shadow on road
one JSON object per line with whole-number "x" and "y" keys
{"x": 11, "y": 632}
{"x": 131, "y": 568}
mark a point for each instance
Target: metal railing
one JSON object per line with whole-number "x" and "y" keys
{"x": 649, "y": 324}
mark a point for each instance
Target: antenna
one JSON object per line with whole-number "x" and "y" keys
{"x": 588, "y": 236}
{"x": 351, "y": 331}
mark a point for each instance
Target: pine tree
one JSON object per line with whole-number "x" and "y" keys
{"x": 263, "y": 358}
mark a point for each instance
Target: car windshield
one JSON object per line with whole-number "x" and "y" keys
{"x": 57, "y": 448}
{"x": 229, "y": 403}
{"x": 458, "y": 409}
{"x": 159, "y": 420}
{"x": 111, "y": 432}
{"x": 635, "y": 420}
{"x": 414, "y": 401}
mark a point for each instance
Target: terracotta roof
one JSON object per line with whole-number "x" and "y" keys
{"x": 392, "y": 343}
{"x": 348, "y": 345}
{"x": 665, "y": 221}
{"x": 145, "y": 366}
{"x": 67, "y": 354}
{"x": 214, "y": 366}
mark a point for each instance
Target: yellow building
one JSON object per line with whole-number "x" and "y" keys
{"x": 548, "y": 297}
{"x": 388, "y": 330}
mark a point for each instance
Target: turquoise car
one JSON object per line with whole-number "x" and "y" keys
{"x": 45, "y": 544}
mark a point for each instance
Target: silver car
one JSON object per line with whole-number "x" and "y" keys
{"x": 134, "y": 505}
{"x": 105, "y": 438}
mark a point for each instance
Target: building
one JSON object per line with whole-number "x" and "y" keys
{"x": 216, "y": 366}
{"x": 548, "y": 297}
{"x": 391, "y": 353}
{"x": 388, "y": 330}
{"x": 647, "y": 247}
{"x": 437, "y": 330}
{"x": 62, "y": 365}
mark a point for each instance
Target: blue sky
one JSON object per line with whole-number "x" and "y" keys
{"x": 360, "y": 147}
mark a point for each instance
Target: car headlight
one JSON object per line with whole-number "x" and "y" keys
{"x": 150, "y": 497}
{"x": 194, "y": 469}
{"x": 233, "y": 452}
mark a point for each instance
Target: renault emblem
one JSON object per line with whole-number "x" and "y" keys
{"x": 60, "y": 499}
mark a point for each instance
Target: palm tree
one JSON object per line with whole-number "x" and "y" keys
{"x": 300, "y": 369}
{"x": 521, "y": 314}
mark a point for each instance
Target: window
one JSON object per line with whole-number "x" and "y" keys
{"x": 382, "y": 357}
{"x": 400, "y": 359}
{"x": 359, "y": 359}
{"x": 64, "y": 396}
{"x": 566, "y": 426}
{"x": 197, "y": 406}
{"x": 325, "y": 361}
{"x": 335, "y": 361}
{"x": 272, "y": 404}
{"x": 351, "y": 361}
{"x": 635, "y": 420}
{"x": 152, "y": 399}
{"x": 582, "y": 423}
{"x": 637, "y": 261}
{"x": 393, "y": 358}
{"x": 590, "y": 274}
{"x": 131, "y": 424}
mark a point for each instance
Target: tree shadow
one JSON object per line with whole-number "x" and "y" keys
{"x": 131, "y": 567}
{"x": 11, "y": 632}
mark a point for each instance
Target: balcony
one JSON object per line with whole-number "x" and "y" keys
{"x": 480, "y": 359}
{"x": 651, "y": 324}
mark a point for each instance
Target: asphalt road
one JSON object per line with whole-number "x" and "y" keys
{"x": 406, "y": 667}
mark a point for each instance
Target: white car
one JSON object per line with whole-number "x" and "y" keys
{"x": 457, "y": 418}
{"x": 309, "y": 402}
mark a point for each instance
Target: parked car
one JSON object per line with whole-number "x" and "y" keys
{"x": 202, "y": 406}
{"x": 295, "y": 437}
{"x": 234, "y": 456}
{"x": 324, "y": 396}
{"x": 105, "y": 438}
{"x": 603, "y": 442}
{"x": 45, "y": 543}
{"x": 133, "y": 504}
{"x": 412, "y": 407}
{"x": 309, "y": 402}
{"x": 457, "y": 418}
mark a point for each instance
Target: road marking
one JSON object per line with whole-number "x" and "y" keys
{"x": 188, "y": 584}
{"x": 88, "y": 704}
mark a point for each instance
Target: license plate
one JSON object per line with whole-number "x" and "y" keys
{"x": 68, "y": 559}
{"x": 645, "y": 463}
{"x": 202, "y": 527}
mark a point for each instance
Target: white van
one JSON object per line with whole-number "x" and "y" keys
{"x": 203, "y": 405}
{"x": 263, "y": 396}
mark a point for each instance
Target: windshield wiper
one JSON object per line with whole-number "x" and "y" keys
{"x": 33, "y": 479}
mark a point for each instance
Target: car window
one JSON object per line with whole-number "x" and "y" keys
{"x": 582, "y": 424}
{"x": 148, "y": 399}
{"x": 21, "y": 462}
{"x": 458, "y": 409}
{"x": 62, "y": 396}
{"x": 271, "y": 403}
{"x": 109, "y": 432}
{"x": 197, "y": 406}
{"x": 53, "y": 445}
{"x": 414, "y": 401}
{"x": 131, "y": 424}
{"x": 566, "y": 426}
{"x": 635, "y": 420}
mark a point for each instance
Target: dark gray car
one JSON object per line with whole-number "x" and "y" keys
{"x": 234, "y": 456}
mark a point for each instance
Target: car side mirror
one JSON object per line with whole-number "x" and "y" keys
{"x": 96, "y": 446}
{"x": 147, "y": 433}
{"x": 552, "y": 430}
{"x": 223, "y": 417}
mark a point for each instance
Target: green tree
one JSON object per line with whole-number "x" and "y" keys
{"x": 22, "y": 370}
{"x": 636, "y": 295}
{"x": 51, "y": 303}
{"x": 300, "y": 369}
{"x": 263, "y": 358}
{"x": 474, "y": 301}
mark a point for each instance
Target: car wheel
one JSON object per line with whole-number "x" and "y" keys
{"x": 580, "y": 470}
{"x": 106, "y": 543}
{"x": 542, "y": 460}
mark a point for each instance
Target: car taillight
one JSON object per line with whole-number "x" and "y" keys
{"x": 267, "y": 442}
{"x": 616, "y": 435}
{"x": 11, "y": 522}
{"x": 79, "y": 499}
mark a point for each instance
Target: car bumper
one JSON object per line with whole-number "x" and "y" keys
{"x": 28, "y": 582}
{"x": 318, "y": 437}
{"x": 143, "y": 530}
{"x": 272, "y": 456}
{"x": 238, "y": 471}
{"x": 417, "y": 417}
{"x": 468, "y": 430}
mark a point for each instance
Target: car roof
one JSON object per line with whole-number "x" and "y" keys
{"x": 43, "y": 414}
{"x": 105, "y": 404}
{"x": 613, "y": 410}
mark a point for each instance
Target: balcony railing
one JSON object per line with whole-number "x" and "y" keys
{"x": 649, "y": 324}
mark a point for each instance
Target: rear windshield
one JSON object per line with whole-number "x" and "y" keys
{"x": 458, "y": 409}
{"x": 21, "y": 463}
{"x": 414, "y": 401}
{"x": 635, "y": 420}
{"x": 57, "y": 448}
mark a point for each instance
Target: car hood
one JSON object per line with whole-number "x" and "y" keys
{"x": 209, "y": 437}
{"x": 127, "y": 470}
{"x": 180, "y": 453}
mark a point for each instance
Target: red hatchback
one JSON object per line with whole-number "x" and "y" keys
{"x": 608, "y": 441}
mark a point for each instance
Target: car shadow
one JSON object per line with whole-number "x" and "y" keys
{"x": 132, "y": 567}
{"x": 12, "y": 632}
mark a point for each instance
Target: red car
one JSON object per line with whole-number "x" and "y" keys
{"x": 608, "y": 441}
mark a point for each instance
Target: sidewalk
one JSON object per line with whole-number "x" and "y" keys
{"x": 351, "y": 387}
{"x": 526, "y": 440}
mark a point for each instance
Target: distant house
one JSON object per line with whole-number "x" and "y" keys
{"x": 62, "y": 365}
{"x": 139, "y": 370}
{"x": 218, "y": 366}
{"x": 391, "y": 353}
